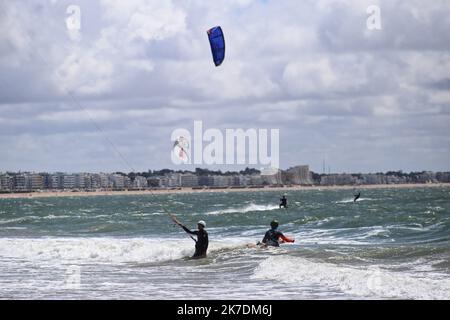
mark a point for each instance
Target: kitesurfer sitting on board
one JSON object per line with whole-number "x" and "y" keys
{"x": 201, "y": 244}
{"x": 283, "y": 202}
{"x": 273, "y": 236}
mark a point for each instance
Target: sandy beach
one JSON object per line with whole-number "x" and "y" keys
{"x": 46, "y": 194}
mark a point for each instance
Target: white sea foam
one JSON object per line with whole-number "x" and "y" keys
{"x": 19, "y": 220}
{"x": 87, "y": 250}
{"x": 52, "y": 217}
{"x": 248, "y": 208}
{"x": 352, "y": 200}
{"x": 331, "y": 236}
{"x": 372, "y": 283}
{"x": 103, "y": 250}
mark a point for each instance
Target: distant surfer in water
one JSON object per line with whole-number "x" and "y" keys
{"x": 357, "y": 196}
{"x": 201, "y": 244}
{"x": 273, "y": 236}
{"x": 283, "y": 202}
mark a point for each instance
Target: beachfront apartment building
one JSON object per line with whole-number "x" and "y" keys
{"x": 104, "y": 180}
{"x": 155, "y": 182}
{"x": 221, "y": 181}
{"x": 120, "y": 181}
{"x": 80, "y": 181}
{"x": 83, "y": 181}
{"x": 36, "y": 182}
{"x": 241, "y": 180}
{"x": 372, "y": 178}
{"x": 443, "y": 177}
{"x": 99, "y": 181}
{"x": 20, "y": 182}
{"x": 205, "y": 181}
{"x": 237, "y": 181}
{"x": 254, "y": 180}
{"x": 68, "y": 181}
{"x": 6, "y": 182}
{"x": 189, "y": 180}
{"x": 394, "y": 180}
{"x": 56, "y": 181}
{"x": 272, "y": 177}
{"x": 298, "y": 175}
{"x": 427, "y": 177}
{"x": 338, "y": 180}
{"x": 140, "y": 182}
{"x": 172, "y": 180}
{"x": 96, "y": 182}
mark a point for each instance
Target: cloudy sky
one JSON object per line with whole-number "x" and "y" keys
{"x": 363, "y": 100}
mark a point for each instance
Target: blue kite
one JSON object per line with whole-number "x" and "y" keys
{"x": 217, "y": 42}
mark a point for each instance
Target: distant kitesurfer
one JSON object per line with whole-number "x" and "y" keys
{"x": 357, "y": 196}
{"x": 201, "y": 244}
{"x": 273, "y": 236}
{"x": 283, "y": 202}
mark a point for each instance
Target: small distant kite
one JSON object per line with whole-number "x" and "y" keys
{"x": 181, "y": 148}
{"x": 217, "y": 42}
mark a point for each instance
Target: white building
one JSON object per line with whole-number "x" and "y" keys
{"x": 254, "y": 180}
{"x": 82, "y": 181}
{"x": 372, "y": 178}
{"x": 96, "y": 182}
{"x": 36, "y": 182}
{"x": 140, "y": 182}
{"x": 172, "y": 180}
{"x": 105, "y": 181}
{"x": 299, "y": 175}
{"x": 118, "y": 181}
{"x": 21, "y": 182}
{"x": 272, "y": 177}
{"x": 220, "y": 181}
{"x": 56, "y": 181}
{"x": 338, "y": 179}
{"x": 68, "y": 181}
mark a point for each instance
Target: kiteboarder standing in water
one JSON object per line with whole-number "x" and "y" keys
{"x": 357, "y": 196}
{"x": 273, "y": 236}
{"x": 201, "y": 244}
{"x": 283, "y": 202}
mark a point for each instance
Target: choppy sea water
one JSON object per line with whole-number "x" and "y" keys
{"x": 391, "y": 244}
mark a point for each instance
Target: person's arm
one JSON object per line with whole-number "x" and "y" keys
{"x": 182, "y": 226}
{"x": 188, "y": 231}
{"x": 266, "y": 236}
{"x": 286, "y": 239}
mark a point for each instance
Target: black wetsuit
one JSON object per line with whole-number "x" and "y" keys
{"x": 283, "y": 202}
{"x": 271, "y": 238}
{"x": 357, "y": 197}
{"x": 201, "y": 245}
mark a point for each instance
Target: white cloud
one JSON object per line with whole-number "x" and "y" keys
{"x": 145, "y": 19}
{"x": 93, "y": 69}
{"x": 85, "y": 73}
{"x": 76, "y": 115}
{"x": 310, "y": 68}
